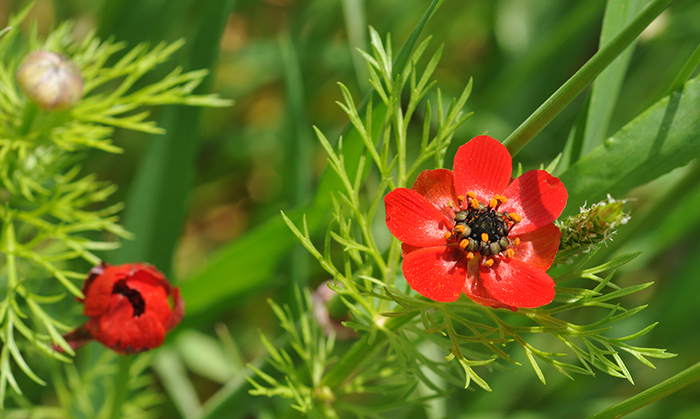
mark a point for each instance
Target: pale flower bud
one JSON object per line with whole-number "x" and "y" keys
{"x": 51, "y": 80}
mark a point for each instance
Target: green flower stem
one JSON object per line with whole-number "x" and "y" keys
{"x": 583, "y": 77}
{"x": 663, "y": 389}
{"x": 354, "y": 357}
{"x": 121, "y": 386}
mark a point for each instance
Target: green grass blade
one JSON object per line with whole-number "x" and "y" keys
{"x": 686, "y": 71}
{"x": 607, "y": 86}
{"x": 659, "y": 140}
{"x": 156, "y": 204}
{"x": 579, "y": 81}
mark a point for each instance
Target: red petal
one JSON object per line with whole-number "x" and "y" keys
{"x": 98, "y": 288}
{"x": 178, "y": 310}
{"x": 474, "y": 289}
{"x": 407, "y": 248}
{"x": 438, "y": 273}
{"x": 437, "y": 187}
{"x": 155, "y": 297}
{"x": 538, "y": 248}
{"x": 483, "y": 165}
{"x": 414, "y": 220}
{"x": 538, "y": 197}
{"x": 518, "y": 284}
{"x": 122, "y": 332}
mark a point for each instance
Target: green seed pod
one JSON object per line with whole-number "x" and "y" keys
{"x": 460, "y": 216}
{"x": 504, "y": 243}
{"x": 467, "y": 231}
{"x": 495, "y": 248}
{"x": 52, "y": 81}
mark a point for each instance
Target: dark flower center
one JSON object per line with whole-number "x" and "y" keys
{"x": 134, "y": 297}
{"x": 483, "y": 230}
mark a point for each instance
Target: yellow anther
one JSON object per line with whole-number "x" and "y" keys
{"x": 474, "y": 203}
{"x": 488, "y": 262}
{"x": 447, "y": 235}
{"x": 451, "y": 205}
{"x": 493, "y": 203}
{"x": 460, "y": 198}
{"x": 470, "y": 256}
{"x": 516, "y": 241}
{"x": 471, "y": 194}
{"x": 515, "y": 217}
{"x": 460, "y": 229}
{"x": 510, "y": 253}
{"x": 484, "y": 237}
{"x": 502, "y": 199}
{"x": 463, "y": 244}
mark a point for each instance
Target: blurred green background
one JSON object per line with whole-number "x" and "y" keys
{"x": 280, "y": 61}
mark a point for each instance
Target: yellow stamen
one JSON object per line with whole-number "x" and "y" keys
{"x": 516, "y": 241}
{"x": 510, "y": 253}
{"x": 488, "y": 262}
{"x": 502, "y": 199}
{"x": 470, "y": 256}
{"x": 515, "y": 217}
{"x": 484, "y": 237}
{"x": 474, "y": 203}
{"x": 460, "y": 198}
{"x": 447, "y": 235}
{"x": 471, "y": 194}
{"x": 493, "y": 203}
{"x": 463, "y": 244}
{"x": 460, "y": 229}
{"x": 451, "y": 205}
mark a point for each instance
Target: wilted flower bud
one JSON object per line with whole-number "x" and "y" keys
{"x": 324, "y": 299}
{"x": 583, "y": 232}
{"x": 51, "y": 80}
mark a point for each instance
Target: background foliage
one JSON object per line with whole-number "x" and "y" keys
{"x": 227, "y": 247}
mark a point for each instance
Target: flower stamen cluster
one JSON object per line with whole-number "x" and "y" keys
{"x": 482, "y": 230}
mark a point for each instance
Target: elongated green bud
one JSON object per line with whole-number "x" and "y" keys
{"x": 592, "y": 226}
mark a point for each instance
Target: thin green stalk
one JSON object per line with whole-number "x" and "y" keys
{"x": 583, "y": 77}
{"x": 121, "y": 386}
{"x": 663, "y": 389}
{"x": 10, "y": 255}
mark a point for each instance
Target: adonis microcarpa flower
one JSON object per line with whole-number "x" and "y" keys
{"x": 129, "y": 308}
{"x": 477, "y": 231}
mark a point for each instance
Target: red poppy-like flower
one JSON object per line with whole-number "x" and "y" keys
{"x": 129, "y": 308}
{"x": 478, "y": 231}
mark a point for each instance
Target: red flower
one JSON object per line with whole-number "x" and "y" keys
{"x": 479, "y": 232}
{"x": 129, "y": 308}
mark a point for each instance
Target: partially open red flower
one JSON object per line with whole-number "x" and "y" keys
{"x": 129, "y": 308}
{"x": 478, "y": 231}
